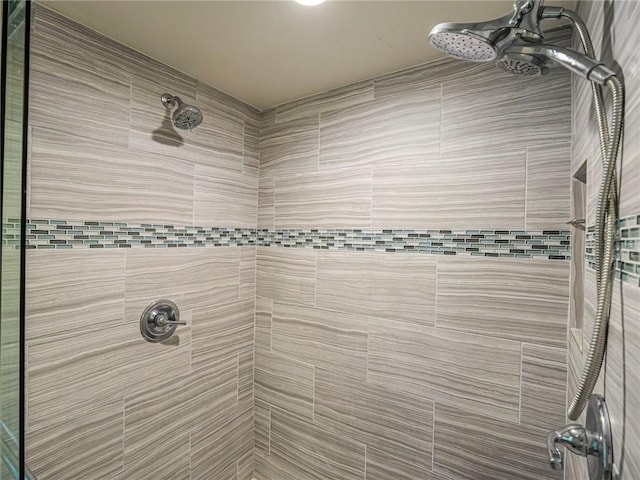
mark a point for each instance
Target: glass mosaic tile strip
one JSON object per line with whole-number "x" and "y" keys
{"x": 552, "y": 244}
{"x": 627, "y": 250}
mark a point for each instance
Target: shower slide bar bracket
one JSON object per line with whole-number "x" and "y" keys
{"x": 594, "y": 441}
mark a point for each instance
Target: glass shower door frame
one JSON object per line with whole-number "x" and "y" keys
{"x": 14, "y": 82}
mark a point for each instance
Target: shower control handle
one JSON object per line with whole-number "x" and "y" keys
{"x": 160, "y": 319}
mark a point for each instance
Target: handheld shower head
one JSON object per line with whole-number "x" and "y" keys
{"x": 482, "y": 42}
{"x": 186, "y": 116}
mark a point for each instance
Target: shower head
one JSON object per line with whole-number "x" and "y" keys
{"x": 186, "y": 116}
{"x": 482, "y": 42}
{"x": 532, "y": 59}
{"x": 516, "y": 40}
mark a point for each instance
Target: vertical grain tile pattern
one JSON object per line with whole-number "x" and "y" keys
{"x": 72, "y": 90}
{"x": 378, "y": 284}
{"x": 387, "y": 466}
{"x": 395, "y": 422}
{"x": 327, "y": 199}
{"x": 523, "y": 453}
{"x": 223, "y": 197}
{"x": 548, "y": 187}
{"x": 284, "y": 383}
{"x": 87, "y": 444}
{"x": 310, "y": 452}
{"x": 85, "y": 175}
{"x": 323, "y": 102}
{"x": 479, "y": 374}
{"x": 544, "y": 386}
{"x": 221, "y": 331}
{"x": 455, "y": 191}
{"x": 488, "y": 110}
{"x": 287, "y": 275}
{"x": 68, "y": 290}
{"x": 402, "y": 128}
{"x": 306, "y": 334}
{"x": 190, "y": 278}
{"x": 290, "y": 147}
{"x": 506, "y": 298}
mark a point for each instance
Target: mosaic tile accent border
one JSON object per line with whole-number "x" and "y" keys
{"x": 628, "y": 250}
{"x": 61, "y": 234}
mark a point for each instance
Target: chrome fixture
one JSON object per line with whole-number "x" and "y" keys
{"x": 577, "y": 223}
{"x": 185, "y": 116}
{"x": 593, "y": 441}
{"x": 517, "y": 42}
{"x": 160, "y": 320}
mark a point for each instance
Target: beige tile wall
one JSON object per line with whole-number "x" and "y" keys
{"x": 613, "y": 27}
{"x": 412, "y": 360}
{"x": 368, "y": 366}
{"x": 102, "y": 402}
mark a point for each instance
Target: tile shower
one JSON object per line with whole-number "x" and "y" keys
{"x": 375, "y": 279}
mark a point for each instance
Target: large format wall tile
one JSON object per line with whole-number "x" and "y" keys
{"x": 290, "y": 147}
{"x": 220, "y": 331}
{"x": 69, "y": 290}
{"x": 72, "y": 90}
{"x": 91, "y": 179}
{"x": 324, "y": 102}
{"x": 330, "y": 340}
{"x": 387, "y": 466}
{"x": 453, "y": 191}
{"x": 394, "y": 130}
{"x": 394, "y": 422}
{"x": 190, "y": 278}
{"x": 544, "y": 386}
{"x": 287, "y": 275}
{"x": 175, "y": 406}
{"x": 520, "y": 300}
{"x": 84, "y": 444}
{"x": 327, "y": 199}
{"x": 391, "y": 286}
{"x": 488, "y": 110}
{"x": 309, "y": 452}
{"x": 479, "y": 374}
{"x": 284, "y": 383}
{"x": 69, "y": 371}
{"x": 223, "y": 197}
{"x": 548, "y": 187}
{"x": 520, "y": 454}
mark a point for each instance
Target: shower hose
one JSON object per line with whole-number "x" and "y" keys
{"x": 606, "y": 221}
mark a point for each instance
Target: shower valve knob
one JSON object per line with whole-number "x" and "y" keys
{"x": 160, "y": 320}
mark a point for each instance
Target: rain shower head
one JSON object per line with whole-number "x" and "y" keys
{"x": 186, "y": 117}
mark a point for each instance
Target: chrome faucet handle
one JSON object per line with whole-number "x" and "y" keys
{"x": 161, "y": 320}
{"x": 572, "y": 436}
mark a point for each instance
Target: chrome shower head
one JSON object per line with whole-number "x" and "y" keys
{"x": 482, "y": 42}
{"x": 186, "y": 117}
{"x": 521, "y": 64}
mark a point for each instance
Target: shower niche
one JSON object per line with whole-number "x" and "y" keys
{"x": 578, "y": 243}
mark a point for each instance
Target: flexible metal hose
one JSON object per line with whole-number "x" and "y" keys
{"x": 606, "y": 222}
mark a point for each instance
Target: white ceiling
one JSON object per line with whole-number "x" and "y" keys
{"x": 269, "y": 52}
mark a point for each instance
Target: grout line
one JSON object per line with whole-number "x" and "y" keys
{"x": 440, "y": 125}
{"x": 433, "y": 437}
{"x": 520, "y": 385}
{"x": 319, "y": 118}
{"x": 435, "y": 302}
